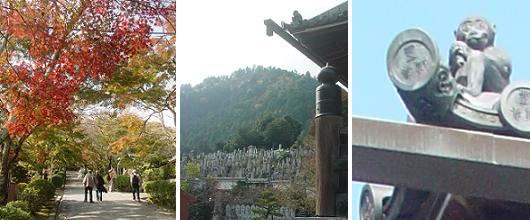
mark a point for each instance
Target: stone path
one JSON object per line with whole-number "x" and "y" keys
{"x": 115, "y": 205}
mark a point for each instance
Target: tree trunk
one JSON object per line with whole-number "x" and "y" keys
{"x": 4, "y": 171}
{"x": 110, "y": 163}
{"x": 174, "y": 117}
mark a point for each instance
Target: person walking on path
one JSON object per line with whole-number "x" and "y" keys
{"x": 88, "y": 183}
{"x": 117, "y": 205}
{"x": 81, "y": 173}
{"x": 112, "y": 179}
{"x": 136, "y": 181}
{"x": 100, "y": 186}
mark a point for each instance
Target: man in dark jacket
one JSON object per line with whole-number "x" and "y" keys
{"x": 136, "y": 182}
{"x": 100, "y": 186}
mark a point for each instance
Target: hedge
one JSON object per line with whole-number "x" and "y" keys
{"x": 123, "y": 183}
{"x": 161, "y": 192}
{"x": 57, "y": 180}
{"x": 14, "y": 213}
{"x": 36, "y": 193}
{"x": 31, "y": 195}
{"x": 61, "y": 174}
{"x": 45, "y": 187}
{"x": 23, "y": 205}
{"x": 168, "y": 171}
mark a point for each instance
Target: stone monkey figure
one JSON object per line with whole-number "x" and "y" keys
{"x": 477, "y": 65}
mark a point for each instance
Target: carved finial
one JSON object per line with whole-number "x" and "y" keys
{"x": 328, "y": 75}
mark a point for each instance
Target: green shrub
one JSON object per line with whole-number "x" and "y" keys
{"x": 57, "y": 180}
{"x": 123, "y": 183}
{"x": 31, "y": 195}
{"x": 23, "y": 205}
{"x": 61, "y": 174}
{"x": 168, "y": 171}
{"x": 45, "y": 188}
{"x": 13, "y": 213}
{"x": 152, "y": 174}
{"x": 173, "y": 172}
{"x": 36, "y": 193}
{"x": 148, "y": 186}
{"x": 161, "y": 192}
{"x": 162, "y": 173}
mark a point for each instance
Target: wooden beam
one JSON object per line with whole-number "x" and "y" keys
{"x": 440, "y": 159}
{"x": 332, "y": 26}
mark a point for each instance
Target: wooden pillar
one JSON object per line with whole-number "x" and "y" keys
{"x": 327, "y": 150}
{"x": 327, "y": 126}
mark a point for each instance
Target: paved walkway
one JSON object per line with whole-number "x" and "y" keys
{"x": 115, "y": 205}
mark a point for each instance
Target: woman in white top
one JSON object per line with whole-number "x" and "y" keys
{"x": 113, "y": 177}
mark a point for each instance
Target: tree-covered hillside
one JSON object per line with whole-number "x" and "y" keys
{"x": 212, "y": 112}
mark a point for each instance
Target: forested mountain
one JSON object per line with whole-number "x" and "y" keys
{"x": 214, "y": 111}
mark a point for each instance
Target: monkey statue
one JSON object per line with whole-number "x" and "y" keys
{"x": 477, "y": 65}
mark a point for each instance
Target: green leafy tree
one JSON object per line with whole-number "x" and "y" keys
{"x": 300, "y": 193}
{"x": 268, "y": 131}
{"x": 53, "y": 147}
{"x": 204, "y": 190}
{"x": 214, "y": 111}
{"x": 193, "y": 170}
{"x": 100, "y": 130}
{"x": 249, "y": 135}
{"x": 244, "y": 193}
{"x": 282, "y": 130}
{"x": 267, "y": 206}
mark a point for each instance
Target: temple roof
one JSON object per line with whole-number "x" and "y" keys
{"x": 323, "y": 38}
{"x": 334, "y": 16}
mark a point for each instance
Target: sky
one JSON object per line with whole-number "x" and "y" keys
{"x": 375, "y": 23}
{"x": 219, "y": 37}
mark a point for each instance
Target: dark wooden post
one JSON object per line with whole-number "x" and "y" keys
{"x": 327, "y": 125}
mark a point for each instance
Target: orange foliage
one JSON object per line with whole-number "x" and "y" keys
{"x": 50, "y": 48}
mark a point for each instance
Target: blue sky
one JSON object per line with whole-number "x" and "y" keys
{"x": 376, "y": 23}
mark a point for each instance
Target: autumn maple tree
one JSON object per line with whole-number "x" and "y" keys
{"x": 126, "y": 136}
{"x": 147, "y": 81}
{"x": 49, "y": 49}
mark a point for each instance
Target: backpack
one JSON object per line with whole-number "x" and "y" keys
{"x": 135, "y": 180}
